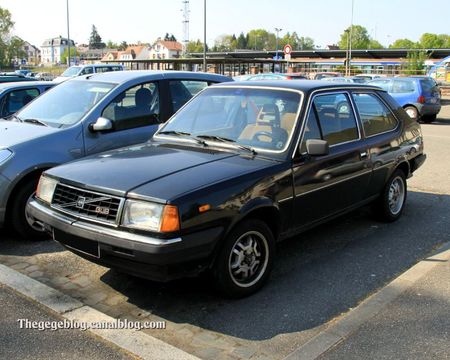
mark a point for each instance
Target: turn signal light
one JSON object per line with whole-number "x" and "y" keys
{"x": 170, "y": 220}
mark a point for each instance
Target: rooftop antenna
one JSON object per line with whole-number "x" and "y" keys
{"x": 186, "y": 13}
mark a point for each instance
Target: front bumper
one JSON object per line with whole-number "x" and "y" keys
{"x": 143, "y": 256}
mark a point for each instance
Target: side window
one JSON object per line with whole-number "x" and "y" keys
{"x": 336, "y": 118}
{"x": 17, "y": 99}
{"x": 403, "y": 86}
{"x": 135, "y": 107}
{"x": 384, "y": 84}
{"x": 102, "y": 69}
{"x": 312, "y": 130}
{"x": 181, "y": 91}
{"x": 87, "y": 70}
{"x": 375, "y": 116}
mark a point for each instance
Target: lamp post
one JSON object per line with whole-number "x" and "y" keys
{"x": 68, "y": 33}
{"x": 204, "y": 37}
{"x": 277, "y": 31}
{"x": 351, "y": 41}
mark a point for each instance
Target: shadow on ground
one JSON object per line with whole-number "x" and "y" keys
{"x": 11, "y": 244}
{"x": 317, "y": 276}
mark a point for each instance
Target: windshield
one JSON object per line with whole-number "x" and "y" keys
{"x": 257, "y": 118}
{"x": 72, "y": 71}
{"x": 65, "y": 104}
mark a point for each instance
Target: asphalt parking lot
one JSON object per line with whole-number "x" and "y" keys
{"x": 319, "y": 275}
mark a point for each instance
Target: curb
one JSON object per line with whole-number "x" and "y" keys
{"x": 370, "y": 307}
{"x": 136, "y": 342}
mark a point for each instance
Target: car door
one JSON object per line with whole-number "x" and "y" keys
{"x": 183, "y": 90}
{"x": 14, "y": 100}
{"x": 381, "y": 129}
{"x": 326, "y": 185}
{"x": 135, "y": 115}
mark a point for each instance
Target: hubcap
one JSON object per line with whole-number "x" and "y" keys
{"x": 411, "y": 113}
{"x": 248, "y": 259}
{"x": 396, "y": 195}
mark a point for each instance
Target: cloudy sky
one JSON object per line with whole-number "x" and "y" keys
{"x": 145, "y": 20}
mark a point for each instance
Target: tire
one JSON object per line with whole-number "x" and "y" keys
{"x": 428, "y": 119}
{"x": 412, "y": 112}
{"x": 236, "y": 280}
{"x": 392, "y": 201}
{"x": 19, "y": 221}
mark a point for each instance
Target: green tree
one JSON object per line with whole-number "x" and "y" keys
{"x": 170, "y": 37}
{"x": 415, "y": 63}
{"x": 260, "y": 39}
{"x": 123, "y": 45}
{"x": 360, "y": 38}
{"x": 431, "y": 41}
{"x": 112, "y": 45}
{"x": 95, "y": 41}
{"x": 404, "y": 44}
{"x": 73, "y": 53}
{"x": 305, "y": 43}
{"x": 194, "y": 47}
{"x": 374, "y": 44}
{"x": 241, "y": 42}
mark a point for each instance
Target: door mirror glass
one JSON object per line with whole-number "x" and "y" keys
{"x": 102, "y": 124}
{"x": 315, "y": 147}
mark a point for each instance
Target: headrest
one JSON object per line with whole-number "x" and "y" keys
{"x": 269, "y": 115}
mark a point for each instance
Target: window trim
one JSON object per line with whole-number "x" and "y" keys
{"x": 310, "y": 104}
{"x": 385, "y": 104}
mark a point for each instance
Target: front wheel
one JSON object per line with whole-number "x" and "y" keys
{"x": 392, "y": 201}
{"x": 21, "y": 221}
{"x": 245, "y": 261}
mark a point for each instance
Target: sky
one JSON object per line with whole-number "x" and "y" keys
{"x": 146, "y": 20}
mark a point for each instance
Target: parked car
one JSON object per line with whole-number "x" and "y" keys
{"x": 276, "y": 76}
{"x": 321, "y": 75}
{"x": 369, "y": 77}
{"x": 22, "y": 72}
{"x": 419, "y": 96}
{"x": 13, "y": 77}
{"x": 44, "y": 76}
{"x": 79, "y": 70}
{"x": 14, "y": 96}
{"x": 240, "y": 167}
{"x": 80, "y": 117}
{"x": 339, "y": 79}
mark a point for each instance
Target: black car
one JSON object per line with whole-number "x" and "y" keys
{"x": 237, "y": 169}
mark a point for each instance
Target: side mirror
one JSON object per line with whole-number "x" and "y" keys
{"x": 316, "y": 147}
{"x": 102, "y": 124}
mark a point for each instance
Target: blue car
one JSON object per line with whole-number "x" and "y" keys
{"x": 80, "y": 117}
{"x": 15, "y": 95}
{"x": 418, "y": 95}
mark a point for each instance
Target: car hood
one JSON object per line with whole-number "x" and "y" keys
{"x": 14, "y": 133}
{"x": 159, "y": 172}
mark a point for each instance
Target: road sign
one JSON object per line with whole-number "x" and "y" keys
{"x": 287, "y": 49}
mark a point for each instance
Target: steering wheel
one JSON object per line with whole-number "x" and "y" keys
{"x": 263, "y": 133}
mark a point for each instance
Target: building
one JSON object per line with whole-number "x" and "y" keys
{"x": 162, "y": 49}
{"x": 31, "y": 55}
{"x": 52, "y": 50}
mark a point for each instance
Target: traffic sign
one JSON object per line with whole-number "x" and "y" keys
{"x": 287, "y": 49}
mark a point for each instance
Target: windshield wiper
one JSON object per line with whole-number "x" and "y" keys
{"x": 226, "y": 140}
{"x": 34, "y": 121}
{"x": 182, "y": 133}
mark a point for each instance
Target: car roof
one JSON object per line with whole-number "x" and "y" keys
{"x": 305, "y": 86}
{"x": 118, "y": 77}
{"x": 20, "y": 84}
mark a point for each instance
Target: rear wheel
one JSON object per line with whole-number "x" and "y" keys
{"x": 412, "y": 112}
{"x": 245, "y": 261}
{"x": 428, "y": 119}
{"x": 21, "y": 221}
{"x": 392, "y": 201}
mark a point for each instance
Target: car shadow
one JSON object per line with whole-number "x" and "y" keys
{"x": 11, "y": 244}
{"x": 317, "y": 276}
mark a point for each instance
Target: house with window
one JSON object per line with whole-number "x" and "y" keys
{"x": 162, "y": 49}
{"x": 52, "y": 50}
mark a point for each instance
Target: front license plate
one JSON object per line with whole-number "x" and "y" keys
{"x": 86, "y": 246}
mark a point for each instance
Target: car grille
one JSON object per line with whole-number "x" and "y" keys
{"x": 87, "y": 204}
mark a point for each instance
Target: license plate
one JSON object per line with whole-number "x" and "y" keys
{"x": 85, "y": 246}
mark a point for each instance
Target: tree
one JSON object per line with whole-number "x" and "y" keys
{"x": 112, "y": 45}
{"x": 360, "y": 38}
{"x": 434, "y": 41}
{"x": 195, "y": 47}
{"x": 404, "y": 44}
{"x": 305, "y": 43}
{"x": 241, "y": 42}
{"x": 415, "y": 63}
{"x": 170, "y": 37}
{"x": 225, "y": 43}
{"x": 374, "y": 44}
{"x": 73, "y": 54}
{"x": 11, "y": 47}
{"x": 123, "y": 46}
{"x": 95, "y": 41}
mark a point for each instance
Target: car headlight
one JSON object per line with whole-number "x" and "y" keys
{"x": 46, "y": 189}
{"x": 150, "y": 216}
{"x": 5, "y": 154}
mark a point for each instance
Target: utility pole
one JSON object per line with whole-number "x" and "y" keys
{"x": 204, "y": 37}
{"x": 351, "y": 41}
{"x": 68, "y": 33}
{"x": 277, "y": 31}
{"x": 186, "y": 13}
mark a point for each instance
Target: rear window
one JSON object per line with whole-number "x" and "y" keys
{"x": 403, "y": 86}
{"x": 428, "y": 86}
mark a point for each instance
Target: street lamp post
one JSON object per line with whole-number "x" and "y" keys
{"x": 351, "y": 41}
{"x": 204, "y": 37}
{"x": 277, "y": 31}
{"x": 68, "y": 33}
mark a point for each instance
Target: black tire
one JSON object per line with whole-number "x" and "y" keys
{"x": 18, "y": 218}
{"x": 412, "y": 112}
{"x": 391, "y": 211}
{"x": 227, "y": 281}
{"x": 428, "y": 119}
